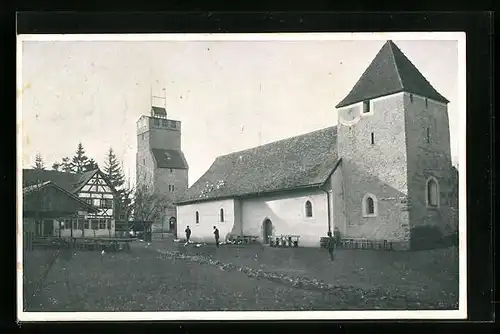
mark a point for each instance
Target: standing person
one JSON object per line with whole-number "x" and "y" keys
{"x": 188, "y": 234}
{"x": 216, "y": 234}
{"x": 331, "y": 246}
{"x": 336, "y": 235}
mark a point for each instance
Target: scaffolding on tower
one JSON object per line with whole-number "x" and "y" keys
{"x": 158, "y": 111}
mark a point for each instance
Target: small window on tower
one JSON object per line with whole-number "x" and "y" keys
{"x": 366, "y": 106}
{"x": 169, "y": 187}
{"x": 432, "y": 192}
{"x": 372, "y": 135}
{"x": 156, "y": 122}
{"x": 369, "y": 206}
{"x": 173, "y": 188}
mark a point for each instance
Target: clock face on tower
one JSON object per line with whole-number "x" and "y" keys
{"x": 349, "y": 116}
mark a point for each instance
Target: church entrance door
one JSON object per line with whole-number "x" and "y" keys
{"x": 267, "y": 230}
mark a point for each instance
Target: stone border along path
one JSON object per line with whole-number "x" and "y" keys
{"x": 303, "y": 282}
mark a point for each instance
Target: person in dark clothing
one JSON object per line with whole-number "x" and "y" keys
{"x": 188, "y": 234}
{"x": 216, "y": 234}
{"x": 331, "y": 246}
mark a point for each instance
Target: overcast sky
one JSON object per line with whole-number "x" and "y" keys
{"x": 229, "y": 95}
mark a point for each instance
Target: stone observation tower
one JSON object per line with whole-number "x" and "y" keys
{"x": 160, "y": 162}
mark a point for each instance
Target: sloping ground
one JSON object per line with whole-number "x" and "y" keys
{"x": 149, "y": 278}
{"x": 430, "y": 277}
{"x": 144, "y": 280}
{"x": 36, "y": 266}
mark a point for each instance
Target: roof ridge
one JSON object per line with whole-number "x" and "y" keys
{"x": 396, "y": 66}
{"x": 50, "y": 171}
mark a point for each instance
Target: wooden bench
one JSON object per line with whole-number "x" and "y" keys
{"x": 243, "y": 239}
{"x": 284, "y": 240}
{"x": 362, "y": 243}
{"x": 102, "y": 243}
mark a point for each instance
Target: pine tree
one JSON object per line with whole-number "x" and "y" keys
{"x": 66, "y": 165}
{"x": 113, "y": 170}
{"x": 80, "y": 161}
{"x": 39, "y": 164}
{"x": 116, "y": 178}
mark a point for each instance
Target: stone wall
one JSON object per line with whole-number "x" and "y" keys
{"x": 429, "y": 155}
{"x": 379, "y": 169}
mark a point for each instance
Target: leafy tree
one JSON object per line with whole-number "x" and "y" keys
{"x": 148, "y": 206}
{"x": 80, "y": 161}
{"x": 39, "y": 164}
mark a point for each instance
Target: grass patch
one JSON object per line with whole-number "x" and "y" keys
{"x": 144, "y": 280}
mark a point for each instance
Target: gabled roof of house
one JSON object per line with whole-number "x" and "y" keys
{"x": 390, "y": 72}
{"x": 302, "y": 161}
{"x": 84, "y": 178}
{"x": 33, "y": 188}
{"x": 64, "y": 180}
{"x": 169, "y": 158}
{"x": 70, "y": 182}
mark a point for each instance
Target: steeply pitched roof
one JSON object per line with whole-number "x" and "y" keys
{"x": 69, "y": 182}
{"x": 298, "y": 162}
{"x": 28, "y": 190}
{"x": 169, "y": 158}
{"x": 390, "y": 72}
{"x": 83, "y": 178}
{"x": 64, "y": 180}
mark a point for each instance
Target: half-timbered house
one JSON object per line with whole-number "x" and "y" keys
{"x": 90, "y": 187}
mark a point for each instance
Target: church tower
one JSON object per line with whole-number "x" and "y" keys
{"x": 160, "y": 163}
{"x": 394, "y": 141}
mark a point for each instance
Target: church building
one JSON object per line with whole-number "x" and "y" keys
{"x": 160, "y": 163}
{"x": 383, "y": 173}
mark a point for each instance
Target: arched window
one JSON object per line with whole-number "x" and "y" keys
{"x": 432, "y": 192}
{"x": 309, "y": 209}
{"x": 222, "y": 215}
{"x": 197, "y": 216}
{"x": 369, "y": 205}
